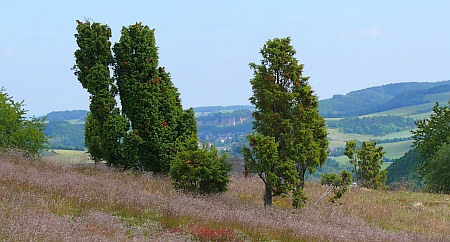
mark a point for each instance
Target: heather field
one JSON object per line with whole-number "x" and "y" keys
{"x": 55, "y": 200}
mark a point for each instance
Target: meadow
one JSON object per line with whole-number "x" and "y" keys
{"x": 55, "y": 199}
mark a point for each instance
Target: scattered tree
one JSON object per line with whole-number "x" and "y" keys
{"x": 16, "y": 130}
{"x": 367, "y": 162}
{"x": 338, "y": 184}
{"x": 200, "y": 170}
{"x": 287, "y": 110}
{"x": 279, "y": 176}
{"x": 431, "y": 139}
{"x": 436, "y": 170}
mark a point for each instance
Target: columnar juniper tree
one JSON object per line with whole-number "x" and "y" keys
{"x": 161, "y": 131}
{"x": 104, "y": 125}
{"x": 149, "y": 99}
{"x": 286, "y": 110}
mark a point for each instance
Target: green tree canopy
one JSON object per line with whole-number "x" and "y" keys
{"x": 200, "y": 170}
{"x": 431, "y": 139}
{"x": 149, "y": 99}
{"x": 286, "y": 109}
{"x": 367, "y": 162}
{"x": 16, "y": 130}
{"x": 104, "y": 126}
{"x": 152, "y": 126}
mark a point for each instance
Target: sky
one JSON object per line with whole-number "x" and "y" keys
{"x": 207, "y": 45}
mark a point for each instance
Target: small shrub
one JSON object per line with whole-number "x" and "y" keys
{"x": 339, "y": 183}
{"x": 200, "y": 170}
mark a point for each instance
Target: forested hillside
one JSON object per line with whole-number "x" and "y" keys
{"x": 401, "y": 172}
{"x": 75, "y": 115}
{"x": 377, "y": 125}
{"x": 380, "y": 98}
{"x": 64, "y": 135}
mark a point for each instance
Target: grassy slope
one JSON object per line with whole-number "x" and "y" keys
{"x": 393, "y": 150}
{"x": 48, "y": 201}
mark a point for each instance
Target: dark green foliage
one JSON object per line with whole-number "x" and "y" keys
{"x": 432, "y": 132}
{"x": 402, "y": 174}
{"x": 431, "y": 139}
{"x": 149, "y": 99}
{"x": 436, "y": 170}
{"x": 16, "y": 130}
{"x": 104, "y": 126}
{"x": 200, "y": 170}
{"x": 377, "y": 125}
{"x": 64, "y": 135}
{"x": 262, "y": 158}
{"x": 367, "y": 162}
{"x": 286, "y": 110}
{"x": 380, "y": 98}
{"x": 339, "y": 183}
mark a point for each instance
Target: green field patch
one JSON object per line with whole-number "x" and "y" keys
{"x": 338, "y": 139}
{"x": 397, "y": 149}
{"x": 401, "y": 134}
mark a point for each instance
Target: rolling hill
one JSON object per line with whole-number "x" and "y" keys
{"x": 381, "y": 98}
{"x": 397, "y": 99}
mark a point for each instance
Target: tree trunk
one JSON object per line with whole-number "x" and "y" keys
{"x": 267, "y": 196}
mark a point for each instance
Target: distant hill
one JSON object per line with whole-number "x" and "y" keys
{"x": 216, "y": 109}
{"x": 74, "y": 115}
{"x": 380, "y": 98}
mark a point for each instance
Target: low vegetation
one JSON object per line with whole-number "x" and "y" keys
{"x": 54, "y": 200}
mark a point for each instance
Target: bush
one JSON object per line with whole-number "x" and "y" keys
{"x": 200, "y": 170}
{"x": 17, "y": 131}
{"x": 339, "y": 183}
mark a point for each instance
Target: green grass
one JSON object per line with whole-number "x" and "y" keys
{"x": 411, "y": 111}
{"x": 397, "y": 149}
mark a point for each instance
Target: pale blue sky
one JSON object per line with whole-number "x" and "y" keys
{"x": 207, "y": 45}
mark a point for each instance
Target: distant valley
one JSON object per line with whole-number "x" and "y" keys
{"x": 384, "y": 113}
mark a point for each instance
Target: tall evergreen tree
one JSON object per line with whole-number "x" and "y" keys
{"x": 104, "y": 125}
{"x": 149, "y": 99}
{"x": 286, "y": 109}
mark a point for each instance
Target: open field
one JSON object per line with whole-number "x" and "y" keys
{"x": 412, "y": 111}
{"x": 58, "y": 201}
{"x": 397, "y": 149}
{"x": 70, "y": 156}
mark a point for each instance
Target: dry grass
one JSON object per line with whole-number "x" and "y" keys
{"x": 58, "y": 201}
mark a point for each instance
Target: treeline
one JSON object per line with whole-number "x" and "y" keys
{"x": 64, "y": 135}
{"x": 214, "y": 109}
{"x": 394, "y": 140}
{"x": 79, "y": 115}
{"x": 402, "y": 172}
{"x": 381, "y": 98}
{"x": 377, "y": 125}
{"x": 219, "y": 117}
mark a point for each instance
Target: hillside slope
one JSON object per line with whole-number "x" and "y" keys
{"x": 380, "y": 98}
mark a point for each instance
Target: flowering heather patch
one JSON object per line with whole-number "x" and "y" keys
{"x": 42, "y": 200}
